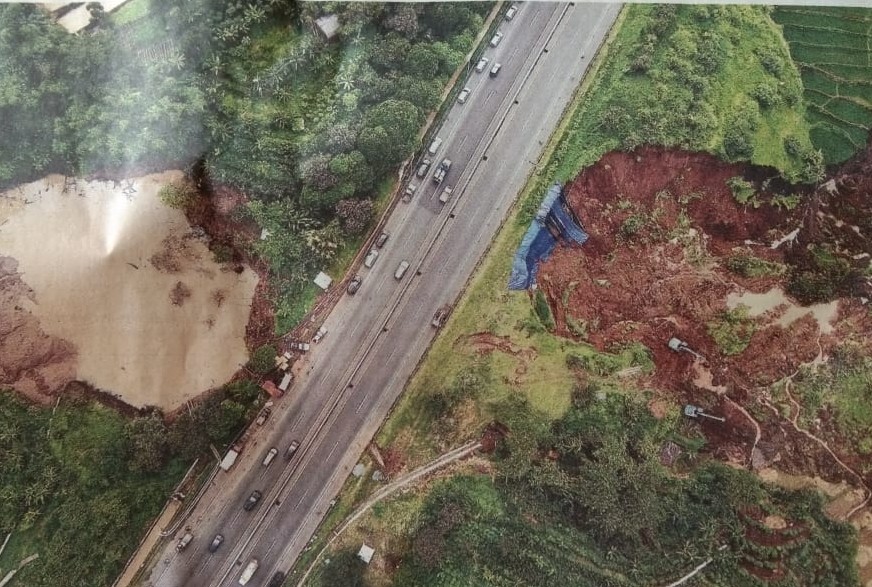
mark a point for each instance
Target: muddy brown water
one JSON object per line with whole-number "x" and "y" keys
{"x": 88, "y": 251}
{"x": 761, "y": 303}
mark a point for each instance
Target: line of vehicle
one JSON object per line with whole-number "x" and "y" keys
{"x": 344, "y": 391}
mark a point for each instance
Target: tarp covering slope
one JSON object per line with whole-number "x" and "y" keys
{"x": 554, "y": 221}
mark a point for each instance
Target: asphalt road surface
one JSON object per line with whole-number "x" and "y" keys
{"x": 376, "y": 337}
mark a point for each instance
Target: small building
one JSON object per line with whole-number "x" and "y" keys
{"x": 323, "y": 280}
{"x": 328, "y": 26}
{"x": 271, "y": 389}
{"x": 365, "y": 553}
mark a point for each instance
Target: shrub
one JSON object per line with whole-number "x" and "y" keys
{"x": 732, "y": 330}
{"x": 632, "y": 226}
{"x": 743, "y": 191}
{"x": 766, "y": 94}
{"x": 262, "y": 360}
{"x": 178, "y": 194}
{"x": 543, "y": 310}
{"x": 748, "y": 265}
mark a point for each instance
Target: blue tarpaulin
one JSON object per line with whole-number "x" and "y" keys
{"x": 554, "y": 221}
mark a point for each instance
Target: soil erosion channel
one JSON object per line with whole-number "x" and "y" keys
{"x": 101, "y": 282}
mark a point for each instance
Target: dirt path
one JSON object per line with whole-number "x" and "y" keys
{"x": 390, "y": 489}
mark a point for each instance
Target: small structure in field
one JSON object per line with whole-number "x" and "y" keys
{"x": 365, "y": 553}
{"x": 323, "y": 280}
{"x": 328, "y": 26}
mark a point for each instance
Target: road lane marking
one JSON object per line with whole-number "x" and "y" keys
{"x": 489, "y": 96}
{"x": 332, "y": 451}
{"x": 460, "y": 146}
{"x": 302, "y": 497}
{"x": 363, "y": 401}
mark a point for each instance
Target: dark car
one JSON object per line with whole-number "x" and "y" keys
{"x": 382, "y": 239}
{"x": 277, "y": 580}
{"x": 216, "y": 542}
{"x": 252, "y": 500}
{"x": 354, "y": 285}
{"x": 292, "y": 449}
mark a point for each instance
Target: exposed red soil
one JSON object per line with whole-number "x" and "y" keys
{"x": 35, "y": 363}
{"x": 662, "y": 224}
{"x": 217, "y": 213}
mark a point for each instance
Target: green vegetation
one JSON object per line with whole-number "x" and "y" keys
{"x": 180, "y": 195}
{"x": 543, "y": 310}
{"x": 584, "y": 500}
{"x": 821, "y": 276}
{"x": 246, "y": 95}
{"x": 842, "y": 388}
{"x": 831, "y": 47}
{"x": 79, "y": 486}
{"x": 732, "y": 330}
{"x": 743, "y": 191}
{"x": 80, "y": 483}
{"x": 711, "y": 78}
{"x": 747, "y": 265}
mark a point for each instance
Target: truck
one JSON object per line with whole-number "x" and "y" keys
{"x": 249, "y": 572}
{"x": 439, "y": 174}
{"x": 230, "y": 458}
{"x": 410, "y": 191}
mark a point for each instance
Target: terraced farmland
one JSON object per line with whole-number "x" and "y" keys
{"x": 831, "y": 47}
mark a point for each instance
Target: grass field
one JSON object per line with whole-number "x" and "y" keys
{"x": 831, "y": 47}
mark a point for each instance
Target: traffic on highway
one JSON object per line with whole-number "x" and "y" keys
{"x": 257, "y": 516}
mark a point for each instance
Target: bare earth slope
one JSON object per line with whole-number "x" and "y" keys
{"x": 107, "y": 285}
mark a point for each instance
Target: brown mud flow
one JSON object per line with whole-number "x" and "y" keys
{"x": 665, "y": 231}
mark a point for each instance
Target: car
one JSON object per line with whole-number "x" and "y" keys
{"x": 495, "y": 40}
{"x": 270, "y": 455}
{"x": 423, "y": 167}
{"x": 482, "y": 64}
{"x": 277, "y": 580}
{"x": 410, "y": 191}
{"x": 511, "y": 12}
{"x": 440, "y": 173}
{"x": 263, "y": 416}
{"x": 434, "y": 146}
{"x": 401, "y": 270}
{"x": 441, "y": 316}
{"x": 292, "y": 449}
{"x": 463, "y": 95}
{"x": 382, "y": 239}
{"x": 446, "y": 194}
{"x": 354, "y": 285}
{"x": 184, "y": 542}
{"x": 252, "y": 500}
{"x": 370, "y": 258}
{"x": 319, "y": 335}
{"x": 216, "y": 542}
{"x": 496, "y": 69}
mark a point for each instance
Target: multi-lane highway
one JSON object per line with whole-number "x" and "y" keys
{"x": 376, "y": 337}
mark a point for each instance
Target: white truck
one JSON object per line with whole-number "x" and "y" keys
{"x": 249, "y": 572}
{"x": 229, "y": 458}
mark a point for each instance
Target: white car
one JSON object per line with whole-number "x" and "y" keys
{"x": 495, "y": 40}
{"x": 463, "y": 95}
{"x": 482, "y": 64}
{"x": 511, "y": 12}
{"x": 370, "y": 258}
